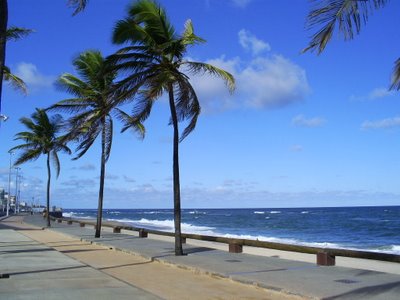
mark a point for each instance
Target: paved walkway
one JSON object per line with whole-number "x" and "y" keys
{"x": 143, "y": 274}
{"x": 291, "y": 277}
{"x": 39, "y": 272}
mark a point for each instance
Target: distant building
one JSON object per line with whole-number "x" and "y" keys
{"x": 3, "y": 200}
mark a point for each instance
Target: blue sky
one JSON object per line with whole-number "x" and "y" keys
{"x": 300, "y": 130}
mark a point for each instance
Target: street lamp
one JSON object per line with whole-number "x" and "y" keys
{"x": 9, "y": 184}
{"x": 16, "y": 189}
{"x": 3, "y": 118}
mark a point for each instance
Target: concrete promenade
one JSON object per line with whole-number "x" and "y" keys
{"x": 287, "y": 277}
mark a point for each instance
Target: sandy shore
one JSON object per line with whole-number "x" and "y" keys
{"x": 166, "y": 281}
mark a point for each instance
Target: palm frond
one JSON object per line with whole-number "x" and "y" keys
{"x": 396, "y": 76}
{"x": 16, "y": 33}
{"x": 108, "y": 126}
{"x": 16, "y": 82}
{"x": 188, "y": 36}
{"x": 187, "y": 105}
{"x": 131, "y": 123}
{"x": 77, "y": 5}
{"x": 199, "y": 67}
{"x": 347, "y": 15}
{"x": 30, "y": 155}
{"x": 56, "y": 162}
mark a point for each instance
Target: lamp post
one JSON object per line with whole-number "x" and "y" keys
{"x": 9, "y": 185}
{"x": 16, "y": 189}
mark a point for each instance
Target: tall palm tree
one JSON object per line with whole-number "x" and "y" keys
{"x": 94, "y": 103}
{"x": 42, "y": 138}
{"x": 155, "y": 63}
{"x": 3, "y": 41}
{"x": 348, "y": 16}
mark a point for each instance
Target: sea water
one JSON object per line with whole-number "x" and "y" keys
{"x": 360, "y": 228}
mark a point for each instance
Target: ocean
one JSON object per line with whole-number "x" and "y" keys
{"x": 360, "y": 228}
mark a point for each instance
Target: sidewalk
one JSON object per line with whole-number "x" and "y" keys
{"x": 161, "y": 280}
{"x": 291, "y": 277}
{"x": 39, "y": 272}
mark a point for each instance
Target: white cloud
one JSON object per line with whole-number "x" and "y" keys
{"x": 241, "y": 3}
{"x": 250, "y": 42}
{"x": 375, "y": 94}
{"x": 381, "y": 124}
{"x": 302, "y": 121}
{"x": 86, "y": 167}
{"x": 129, "y": 179}
{"x": 296, "y": 148}
{"x": 263, "y": 83}
{"x": 30, "y": 74}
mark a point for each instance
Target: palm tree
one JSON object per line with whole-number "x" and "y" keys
{"x": 93, "y": 106}
{"x": 155, "y": 63}
{"x": 348, "y": 16}
{"x": 42, "y": 138}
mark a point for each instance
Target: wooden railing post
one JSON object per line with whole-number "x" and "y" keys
{"x": 325, "y": 259}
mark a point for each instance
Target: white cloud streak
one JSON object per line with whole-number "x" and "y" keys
{"x": 302, "y": 121}
{"x": 241, "y": 3}
{"x": 381, "y": 124}
{"x": 375, "y": 94}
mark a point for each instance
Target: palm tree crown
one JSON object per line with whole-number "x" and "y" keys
{"x": 156, "y": 64}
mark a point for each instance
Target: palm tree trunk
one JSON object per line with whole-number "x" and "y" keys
{"x": 3, "y": 40}
{"x": 48, "y": 189}
{"x": 102, "y": 176}
{"x": 177, "y": 189}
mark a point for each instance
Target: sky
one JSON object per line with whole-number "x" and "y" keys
{"x": 300, "y": 130}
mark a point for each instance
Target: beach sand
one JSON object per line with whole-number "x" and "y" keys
{"x": 166, "y": 281}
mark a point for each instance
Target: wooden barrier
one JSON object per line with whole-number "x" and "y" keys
{"x": 325, "y": 259}
{"x": 235, "y": 248}
{"x": 325, "y": 256}
{"x": 143, "y": 233}
{"x": 117, "y": 229}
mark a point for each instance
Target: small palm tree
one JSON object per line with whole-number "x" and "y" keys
{"x": 155, "y": 63}
{"x": 42, "y": 138}
{"x": 94, "y": 103}
{"x": 348, "y": 16}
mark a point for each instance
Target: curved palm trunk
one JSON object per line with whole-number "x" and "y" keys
{"x": 3, "y": 39}
{"x": 48, "y": 189}
{"x": 177, "y": 189}
{"x": 102, "y": 176}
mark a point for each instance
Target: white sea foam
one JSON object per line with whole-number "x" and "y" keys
{"x": 75, "y": 215}
{"x": 167, "y": 225}
{"x": 304, "y": 212}
{"x": 274, "y": 212}
{"x": 259, "y": 212}
{"x": 195, "y": 212}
